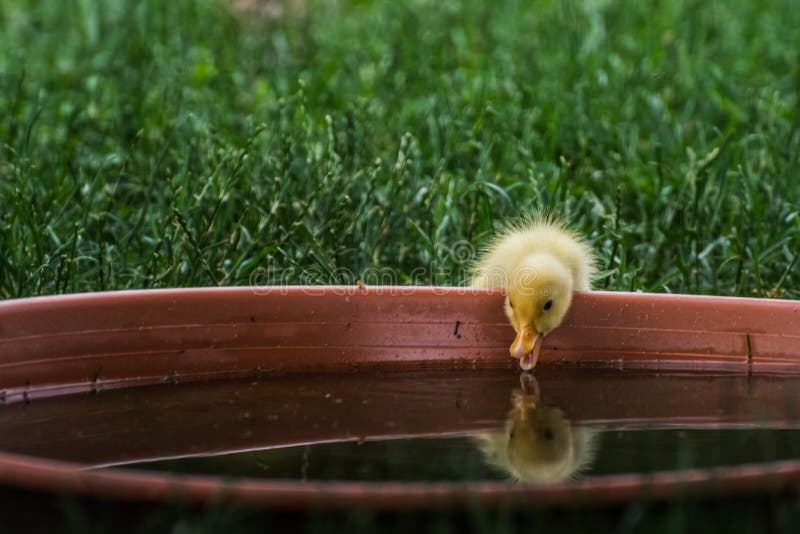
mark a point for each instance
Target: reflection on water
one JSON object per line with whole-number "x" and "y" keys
{"x": 538, "y": 443}
{"x": 425, "y": 425}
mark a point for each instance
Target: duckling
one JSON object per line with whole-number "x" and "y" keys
{"x": 539, "y": 263}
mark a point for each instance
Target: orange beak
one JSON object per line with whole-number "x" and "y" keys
{"x": 526, "y": 347}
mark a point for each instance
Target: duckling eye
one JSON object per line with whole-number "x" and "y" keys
{"x": 510, "y": 304}
{"x": 548, "y": 304}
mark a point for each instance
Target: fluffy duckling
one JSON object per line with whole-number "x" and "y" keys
{"x": 538, "y": 443}
{"x": 539, "y": 264}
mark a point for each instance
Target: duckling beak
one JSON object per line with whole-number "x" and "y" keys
{"x": 526, "y": 347}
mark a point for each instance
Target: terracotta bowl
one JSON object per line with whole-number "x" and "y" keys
{"x": 61, "y": 346}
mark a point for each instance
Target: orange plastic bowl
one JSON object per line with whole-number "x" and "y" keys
{"x": 54, "y": 346}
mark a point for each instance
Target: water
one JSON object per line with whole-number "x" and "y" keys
{"x": 433, "y": 425}
{"x": 461, "y": 459}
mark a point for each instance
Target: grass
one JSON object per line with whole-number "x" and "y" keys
{"x": 158, "y": 144}
{"x": 744, "y": 514}
{"x": 155, "y": 144}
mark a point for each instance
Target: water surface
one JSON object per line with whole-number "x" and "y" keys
{"x": 425, "y": 425}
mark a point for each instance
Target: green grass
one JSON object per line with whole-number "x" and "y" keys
{"x": 31, "y": 512}
{"x": 156, "y": 144}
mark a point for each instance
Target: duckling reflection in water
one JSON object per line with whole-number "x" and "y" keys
{"x": 538, "y": 444}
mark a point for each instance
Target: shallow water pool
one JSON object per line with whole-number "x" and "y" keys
{"x": 563, "y": 423}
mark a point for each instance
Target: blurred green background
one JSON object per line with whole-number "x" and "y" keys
{"x": 189, "y": 143}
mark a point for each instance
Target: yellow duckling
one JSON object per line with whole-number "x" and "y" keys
{"x": 539, "y": 264}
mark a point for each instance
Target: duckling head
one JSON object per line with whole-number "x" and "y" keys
{"x": 538, "y": 295}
